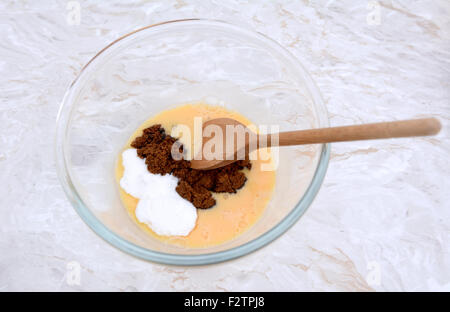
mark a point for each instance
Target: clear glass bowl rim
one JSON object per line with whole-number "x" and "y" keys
{"x": 176, "y": 259}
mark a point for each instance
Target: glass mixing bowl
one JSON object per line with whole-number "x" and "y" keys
{"x": 164, "y": 65}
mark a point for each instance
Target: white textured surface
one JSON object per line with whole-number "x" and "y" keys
{"x": 384, "y": 205}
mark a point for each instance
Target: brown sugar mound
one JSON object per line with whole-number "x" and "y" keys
{"x": 196, "y": 186}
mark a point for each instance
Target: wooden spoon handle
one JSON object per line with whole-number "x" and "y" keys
{"x": 382, "y": 130}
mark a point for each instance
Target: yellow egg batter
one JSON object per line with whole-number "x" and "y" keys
{"x": 233, "y": 214}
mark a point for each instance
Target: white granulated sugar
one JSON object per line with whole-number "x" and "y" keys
{"x": 159, "y": 206}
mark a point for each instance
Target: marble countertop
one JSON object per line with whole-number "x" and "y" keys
{"x": 381, "y": 220}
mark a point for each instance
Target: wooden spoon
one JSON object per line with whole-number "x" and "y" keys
{"x": 382, "y": 130}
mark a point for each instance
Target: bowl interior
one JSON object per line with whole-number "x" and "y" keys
{"x": 161, "y": 67}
